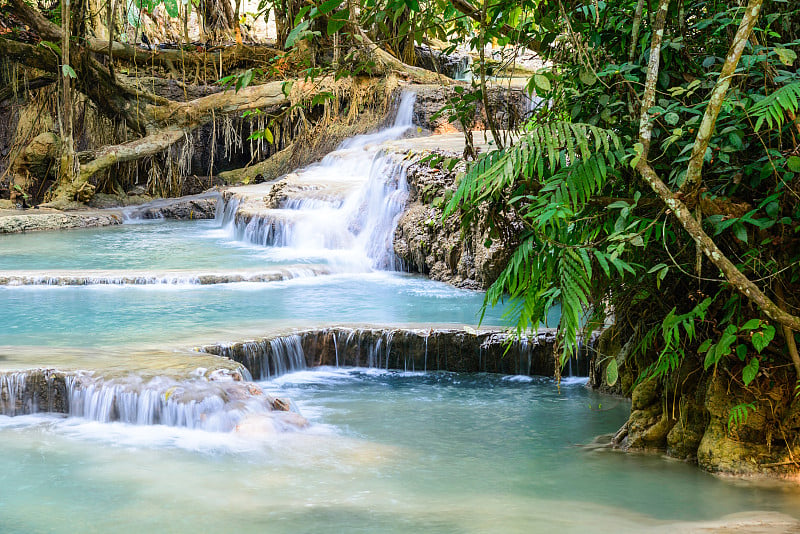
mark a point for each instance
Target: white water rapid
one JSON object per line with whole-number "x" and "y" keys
{"x": 342, "y": 210}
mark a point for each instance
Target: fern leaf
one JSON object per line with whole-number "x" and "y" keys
{"x": 774, "y": 107}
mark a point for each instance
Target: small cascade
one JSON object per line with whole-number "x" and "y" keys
{"x": 266, "y": 358}
{"x": 349, "y": 202}
{"x": 164, "y": 278}
{"x": 381, "y": 205}
{"x": 217, "y": 401}
{"x": 403, "y": 349}
{"x": 287, "y": 356}
{"x": 462, "y": 71}
{"x": 225, "y": 214}
{"x": 191, "y": 404}
{"x": 12, "y": 398}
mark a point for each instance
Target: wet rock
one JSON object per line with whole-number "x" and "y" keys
{"x": 27, "y": 392}
{"x": 450, "y": 65}
{"x": 684, "y": 438}
{"x": 282, "y": 405}
{"x": 137, "y": 191}
{"x": 645, "y": 394}
{"x": 406, "y": 349}
{"x": 226, "y": 375}
{"x": 427, "y": 244}
{"x": 57, "y": 220}
{"x": 183, "y": 208}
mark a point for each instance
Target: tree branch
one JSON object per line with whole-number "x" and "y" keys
{"x": 735, "y": 277}
{"x": 637, "y": 24}
{"x": 10, "y": 90}
{"x": 649, "y": 97}
{"x": 681, "y": 212}
{"x": 168, "y": 124}
{"x": 694, "y": 171}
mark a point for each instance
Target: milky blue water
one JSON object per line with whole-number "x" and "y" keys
{"x": 92, "y": 316}
{"x": 160, "y": 245}
{"x": 386, "y": 452}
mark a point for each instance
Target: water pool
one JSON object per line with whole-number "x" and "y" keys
{"x": 387, "y": 452}
{"x": 157, "y": 315}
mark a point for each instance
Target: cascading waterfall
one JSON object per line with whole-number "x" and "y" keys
{"x": 216, "y": 404}
{"x": 226, "y": 212}
{"x": 287, "y": 356}
{"x": 463, "y": 70}
{"x": 160, "y": 401}
{"x": 268, "y": 358}
{"x": 349, "y": 203}
{"x": 405, "y": 349}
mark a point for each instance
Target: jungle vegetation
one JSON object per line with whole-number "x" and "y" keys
{"x": 655, "y": 189}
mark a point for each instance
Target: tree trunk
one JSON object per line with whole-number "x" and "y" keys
{"x": 681, "y": 212}
{"x": 66, "y": 174}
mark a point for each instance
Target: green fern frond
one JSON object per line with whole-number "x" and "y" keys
{"x": 549, "y": 149}
{"x": 560, "y": 165}
{"x": 774, "y": 107}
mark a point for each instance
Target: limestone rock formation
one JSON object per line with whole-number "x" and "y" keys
{"x": 430, "y": 245}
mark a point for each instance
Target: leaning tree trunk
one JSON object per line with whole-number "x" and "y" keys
{"x": 674, "y": 202}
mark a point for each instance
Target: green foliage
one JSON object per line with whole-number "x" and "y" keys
{"x": 738, "y": 415}
{"x": 612, "y": 372}
{"x": 773, "y": 108}
{"x": 567, "y": 163}
{"x": 677, "y": 331}
{"x": 135, "y": 8}
{"x": 68, "y": 72}
{"x": 760, "y": 333}
{"x": 626, "y": 255}
{"x": 589, "y": 235}
{"x": 21, "y": 191}
{"x": 238, "y": 80}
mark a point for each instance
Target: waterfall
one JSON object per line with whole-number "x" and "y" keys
{"x": 462, "y": 71}
{"x": 12, "y": 386}
{"x": 344, "y": 208}
{"x": 226, "y": 212}
{"x": 216, "y": 403}
{"x": 402, "y": 349}
{"x": 287, "y": 355}
{"x": 267, "y": 358}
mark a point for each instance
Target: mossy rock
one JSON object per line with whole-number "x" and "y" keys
{"x": 719, "y": 453}
{"x": 684, "y": 438}
{"x": 645, "y": 394}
